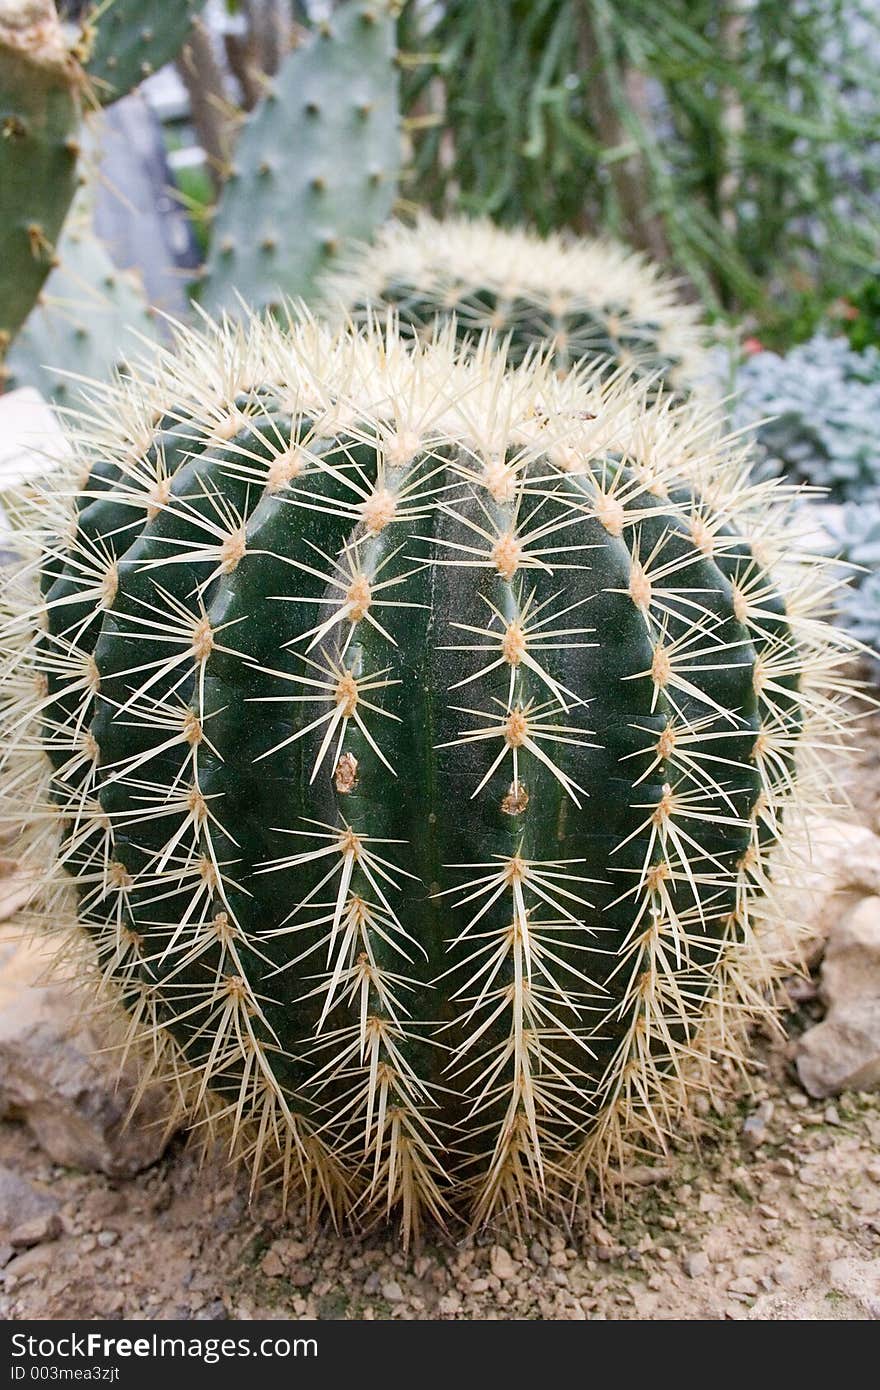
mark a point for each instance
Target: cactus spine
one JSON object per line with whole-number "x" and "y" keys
{"x": 419, "y": 743}
{"x": 584, "y": 300}
{"x": 40, "y": 86}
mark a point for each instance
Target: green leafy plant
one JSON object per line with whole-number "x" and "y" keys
{"x": 733, "y": 139}
{"x": 862, "y": 321}
{"x": 417, "y": 744}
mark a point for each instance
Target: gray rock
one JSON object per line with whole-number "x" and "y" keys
{"x": 851, "y": 968}
{"x": 55, "y": 1077}
{"x": 36, "y": 1231}
{"x": 20, "y": 1202}
{"x": 843, "y": 1051}
{"x": 755, "y": 1125}
{"x": 697, "y": 1264}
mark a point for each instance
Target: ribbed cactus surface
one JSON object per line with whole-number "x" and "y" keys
{"x": 420, "y": 741}
{"x": 583, "y": 299}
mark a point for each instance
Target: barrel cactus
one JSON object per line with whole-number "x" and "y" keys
{"x": 415, "y": 741}
{"x": 584, "y": 299}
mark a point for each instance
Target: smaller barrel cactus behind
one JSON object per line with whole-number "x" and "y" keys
{"x": 417, "y": 743}
{"x": 585, "y": 300}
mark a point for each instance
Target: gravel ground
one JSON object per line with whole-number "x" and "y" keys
{"x": 777, "y": 1216}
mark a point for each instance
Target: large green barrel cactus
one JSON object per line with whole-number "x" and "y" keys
{"x": 417, "y": 741}
{"x": 585, "y": 300}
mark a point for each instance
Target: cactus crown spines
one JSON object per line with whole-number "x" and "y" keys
{"x": 419, "y": 739}
{"x": 586, "y": 299}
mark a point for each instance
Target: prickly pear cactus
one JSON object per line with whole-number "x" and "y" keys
{"x": 124, "y": 41}
{"x": 316, "y": 163}
{"x": 582, "y": 300}
{"x": 419, "y": 744}
{"x": 40, "y": 86}
{"x": 89, "y": 318}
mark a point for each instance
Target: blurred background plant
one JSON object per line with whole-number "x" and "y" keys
{"x": 737, "y": 139}
{"x": 232, "y": 149}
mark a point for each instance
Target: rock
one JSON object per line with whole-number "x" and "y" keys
{"x": 538, "y": 1255}
{"x": 501, "y": 1262}
{"x": 20, "y": 1202}
{"x": 843, "y": 1051}
{"x": 29, "y": 1263}
{"x": 840, "y": 866}
{"x": 55, "y": 1076}
{"x": 851, "y": 968}
{"x": 860, "y": 1279}
{"x": 392, "y": 1292}
{"x": 449, "y": 1305}
{"x": 743, "y": 1285}
{"x": 697, "y": 1264}
{"x": 755, "y": 1125}
{"x": 36, "y": 1231}
{"x": 272, "y": 1265}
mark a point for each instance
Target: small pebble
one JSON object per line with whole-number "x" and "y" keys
{"x": 538, "y": 1255}
{"x": 36, "y": 1231}
{"x": 502, "y": 1263}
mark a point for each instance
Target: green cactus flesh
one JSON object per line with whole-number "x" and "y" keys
{"x": 419, "y": 753}
{"x": 39, "y": 116}
{"x": 580, "y": 300}
{"x": 88, "y": 319}
{"x": 316, "y": 164}
{"x": 124, "y": 41}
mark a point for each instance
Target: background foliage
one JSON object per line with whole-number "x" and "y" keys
{"x": 737, "y": 138}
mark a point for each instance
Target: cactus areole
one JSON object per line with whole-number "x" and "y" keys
{"x": 415, "y": 740}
